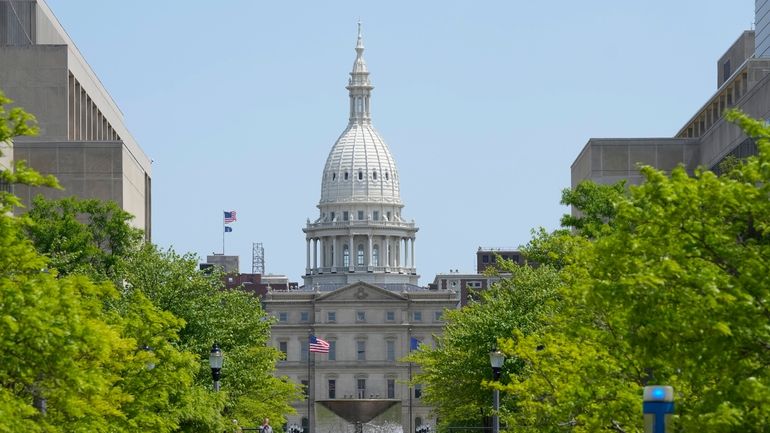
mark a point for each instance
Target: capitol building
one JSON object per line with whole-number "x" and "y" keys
{"x": 360, "y": 291}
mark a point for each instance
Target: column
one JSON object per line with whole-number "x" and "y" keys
{"x": 413, "y": 266}
{"x": 307, "y": 266}
{"x": 315, "y": 254}
{"x": 406, "y": 252}
{"x": 335, "y": 253}
{"x": 351, "y": 255}
{"x": 369, "y": 252}
{"x": 322, "y": 252}
{"x": 386, "y": 252}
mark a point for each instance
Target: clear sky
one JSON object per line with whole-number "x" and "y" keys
{"x": 485, "y": 105}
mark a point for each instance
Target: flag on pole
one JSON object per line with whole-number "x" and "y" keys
{"x": 228, "y": 229}
{"x": 413, "y": 344}
{"x": 318, "y": 345}
{"x": 230, "y": 217}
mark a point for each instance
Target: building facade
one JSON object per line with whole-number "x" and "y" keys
{"x": 83, "y": 140}
{"x": 706, "y": 139}
{"x": 360, "y": 290}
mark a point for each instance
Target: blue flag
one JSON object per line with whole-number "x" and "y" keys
{"x": 413, "y": 344}
{"x": 228, "y": 229}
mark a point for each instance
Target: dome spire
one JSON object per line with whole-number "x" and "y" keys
{"x": 359, "y": 87}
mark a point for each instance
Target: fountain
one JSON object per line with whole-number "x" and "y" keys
{"x": 364, "y": 415}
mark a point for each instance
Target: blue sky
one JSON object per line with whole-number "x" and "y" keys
{"x": 485, "y": 105}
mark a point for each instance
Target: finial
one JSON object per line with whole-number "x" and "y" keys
{"x": 360, "y": 42}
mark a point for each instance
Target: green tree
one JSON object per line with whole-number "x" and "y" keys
{"x": 233, "y": 319}
{"x": 60, "y": 345}
{"x": 88, "y": 237}
{"x": 517, "y": 302}
{"x": 673, "y": 291}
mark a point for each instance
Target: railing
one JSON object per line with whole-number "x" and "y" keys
{"x": 377, "y": 269}
{"x": 358, "y": 223}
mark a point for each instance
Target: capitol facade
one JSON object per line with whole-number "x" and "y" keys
{"x": 360, "y": 291}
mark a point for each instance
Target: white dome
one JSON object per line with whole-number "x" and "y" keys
{"x": 360, "y": 169}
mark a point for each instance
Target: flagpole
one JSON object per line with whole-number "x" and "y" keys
{"x": 310, "y": 385}
{"x": 223, "y": 233}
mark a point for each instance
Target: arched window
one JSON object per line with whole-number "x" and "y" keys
{"x": 360, "y": 175}
{"x": 376, "y": 255}
{"x": 360, "y": 255}
{"x": 345, "y": 256}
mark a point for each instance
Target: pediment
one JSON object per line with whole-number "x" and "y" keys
{"x": 360, "y": 292}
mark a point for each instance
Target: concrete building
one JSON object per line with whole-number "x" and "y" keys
{"x": 706, "y": 139}
{"x": 360, "y": 291}
{"x": 83, "y": 140}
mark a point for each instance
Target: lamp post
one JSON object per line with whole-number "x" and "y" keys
{"x": 215, "y": 362}
{"x": 496, "y": 359}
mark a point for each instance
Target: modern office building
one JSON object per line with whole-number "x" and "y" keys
{"x": 706, "y": 139}
{"x": 360, "y": 293}
{"x": 83, "y": 140}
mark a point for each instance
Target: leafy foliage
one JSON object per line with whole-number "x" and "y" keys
{"x": 672, "y": 289}
{"x": 462, "y": 352}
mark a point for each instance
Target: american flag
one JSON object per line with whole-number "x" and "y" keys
{"x": 318, "y": 345}
{"x": 230, "y": 217}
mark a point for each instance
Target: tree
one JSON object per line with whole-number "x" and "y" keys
{"x": 672, "y": 291}
{"x": 233, "y": 319}
{"x": 88, "y": 237}
{"x": 462, "y": 350}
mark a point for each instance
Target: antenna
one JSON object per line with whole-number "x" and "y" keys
{"x": 257, "y": 258}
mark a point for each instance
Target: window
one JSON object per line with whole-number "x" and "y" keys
{"x": 376, "y": 256}
{"x": 726, "y": 70}
{"x": 345, "y": 216}
{"x": 304, "y": 316}
{"x": 361, "y": 387}
{"x": 417, "y": 390}
{"x": 390, "y": 350}
{"x": 390, "y": 316}
{"x": 331, "y": 316}
{"x": 360, "y": 316}
{"x": 361, "y": 350}
{"x": 376, "y": 215}
{"x": 346, "y": 175}
{"x": 332, "y": 355}
{"x": 474, "y": 284}
{"x": 389, "y": 217}
{"x": 303, "y": 350}
{"x": 386, "y": 176}
{"x": 360, "y": 255}
{"x": 283, "y": 316}
{"x": 417, "y": 316}
{"x": 438, "y": 316}
{"x": 360, "y": 175}
{"x": 374, "y": 175}
{"x": 417, "y": 422}
{"x": 305, "y": 387}
{"x": 485, "y": 258}
{"x": 334, "y": 176}
{"x": 391, "y": 388}
{"x": 360, "y": 215}
{"x": 345, "y": 256}
{"x": 305, "y": 424}
{"x": 283, "y": 346}
{"x": 332, "y": 216}
{"x": 332, "y": 388}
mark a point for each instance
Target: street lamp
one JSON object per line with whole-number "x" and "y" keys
{"x": 496, "y": 359}
{"x": 215, "y": 362}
